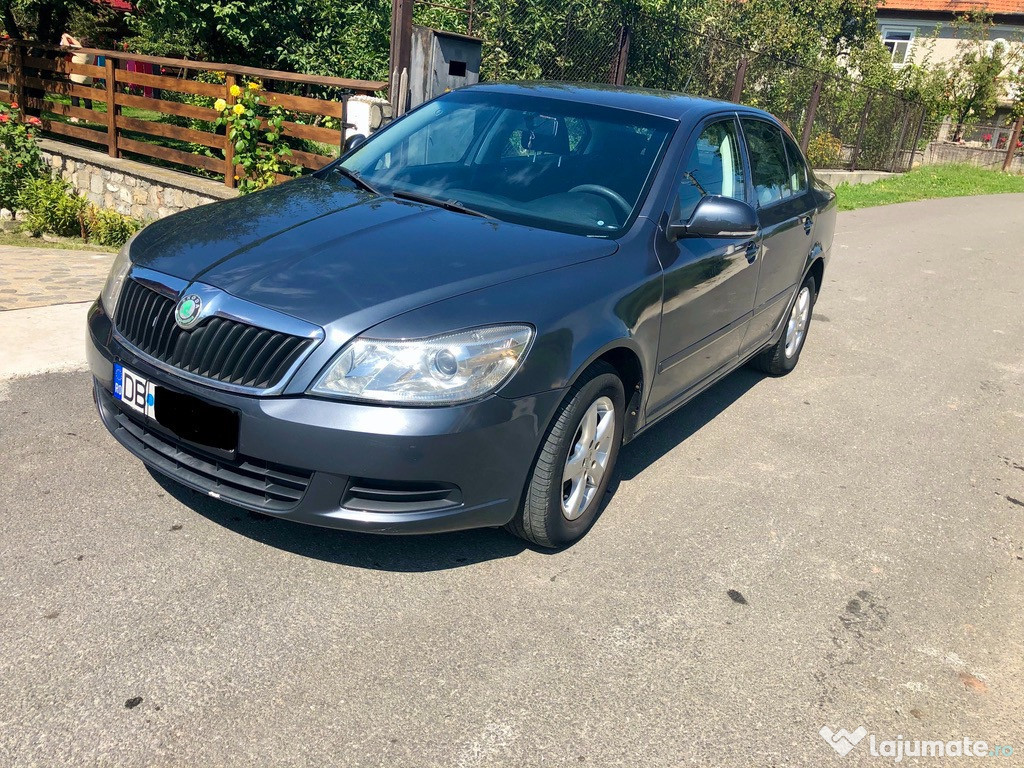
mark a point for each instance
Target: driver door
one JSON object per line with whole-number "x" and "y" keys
{"x": 709, "y": 283}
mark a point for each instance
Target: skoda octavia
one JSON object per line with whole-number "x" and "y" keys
{"x": 460, "y": 322}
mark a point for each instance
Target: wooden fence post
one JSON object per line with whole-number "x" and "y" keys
{"x": 401, "y": 45}
{"x": 1012, "y": 147}
{"x": 621, "y": 56}
{"x": 737, "y": 86}
{"x": 812, "y": 110}
{"x": 229, "y": 147}
{"x": 112, "y": 109}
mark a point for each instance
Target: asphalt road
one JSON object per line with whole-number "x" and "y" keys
{"x": 841, "y": 547}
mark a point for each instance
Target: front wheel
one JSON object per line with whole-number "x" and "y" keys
{"x": 782, "y": 357}
{"x": 575, "y": 463}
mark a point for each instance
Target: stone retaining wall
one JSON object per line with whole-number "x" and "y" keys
{"x": 947, "y": 153}
{"x": 128, "y": 187}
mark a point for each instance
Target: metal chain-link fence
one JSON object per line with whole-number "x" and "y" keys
{"x": 839, "y": 122}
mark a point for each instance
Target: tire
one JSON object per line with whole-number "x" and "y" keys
{"x": 776, "y": 360}
{"x": 546, "y": 518}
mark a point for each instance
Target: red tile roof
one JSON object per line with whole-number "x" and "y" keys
{"x": 955, "y": 6}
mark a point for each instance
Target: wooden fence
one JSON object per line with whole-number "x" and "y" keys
{"x": 180, "y": 95}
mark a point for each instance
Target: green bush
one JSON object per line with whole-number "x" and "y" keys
{"x": 110, "y": 228}
{"x": 52, "y": 207}
{"x": 825, "y": 151}
{"x": 19, "y": 153}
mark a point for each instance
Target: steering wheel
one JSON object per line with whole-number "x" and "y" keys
{"x": 608, "y": 194}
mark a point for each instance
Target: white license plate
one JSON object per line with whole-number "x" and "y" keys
{"x": 136, "y": 392}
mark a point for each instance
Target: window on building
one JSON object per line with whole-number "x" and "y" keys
{"x": 899, "y": 42}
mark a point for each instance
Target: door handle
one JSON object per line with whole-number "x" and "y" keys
{"x": 808, "y": 223}
{"x": 751, "y": 251}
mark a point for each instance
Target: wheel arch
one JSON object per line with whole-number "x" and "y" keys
{"x": 624, "y": 356}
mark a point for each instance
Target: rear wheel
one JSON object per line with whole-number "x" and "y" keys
{"x": 782, "y": 357}
{"x": 575, "y": 464}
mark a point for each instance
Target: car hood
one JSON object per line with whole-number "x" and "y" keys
{"x": 322, "y": 251}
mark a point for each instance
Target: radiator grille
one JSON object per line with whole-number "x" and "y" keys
{"x": 220, "y": 349}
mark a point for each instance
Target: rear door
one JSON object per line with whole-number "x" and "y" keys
{"x": 709, "y": 284}
{"x": 780, "y": 189}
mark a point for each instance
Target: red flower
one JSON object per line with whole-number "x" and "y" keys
{"x": 19, "y": 164}
{"x": 3, "y": 117}
{"x": 34, "y": 121}
{"x": 14, "y": 105}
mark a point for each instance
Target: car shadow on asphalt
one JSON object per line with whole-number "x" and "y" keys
{"x": 661, "y": 438}
{"x": 415, "y": 554}
{"x": 435, "y": 552}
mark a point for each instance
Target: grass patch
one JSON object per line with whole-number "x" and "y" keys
{"x": 62, "y": 243}
{"x": 928, "y": 182}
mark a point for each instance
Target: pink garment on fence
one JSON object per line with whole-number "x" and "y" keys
{"x": 146, "y": 69}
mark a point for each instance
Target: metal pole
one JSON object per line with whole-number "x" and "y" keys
{"x": 1012, "y": 147}
{"x": 737, "y": 86}
{"x": 812, "y": 109}
{"x": 860, "y": 132}
{"x": 18, "y": 64}
{"x": 112, "y": 109}
{"x": 917, "y": 138}
{"x": 229, "y": 146}
{"x": 899, "y": 143}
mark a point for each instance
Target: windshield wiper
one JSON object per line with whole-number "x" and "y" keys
{"x": 357, "y": 179}
{"x": 448, "y": 205}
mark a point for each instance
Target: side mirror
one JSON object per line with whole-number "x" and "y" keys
{"x": 354, "y": 141}
{"x": 717, "y": 216}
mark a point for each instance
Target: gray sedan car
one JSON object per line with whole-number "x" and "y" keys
{"x": 460, "y": 322}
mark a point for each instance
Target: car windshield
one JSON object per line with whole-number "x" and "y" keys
{"x": 548, "y": 163}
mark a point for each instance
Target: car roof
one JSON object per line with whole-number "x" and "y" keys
{"x": 670, "y": 104}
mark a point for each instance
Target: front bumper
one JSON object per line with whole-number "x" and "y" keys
{"x": 340, "y": 465}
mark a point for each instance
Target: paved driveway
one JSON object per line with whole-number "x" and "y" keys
{"x": 841, "y": 547}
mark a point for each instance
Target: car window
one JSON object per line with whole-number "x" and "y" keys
{"x": 552, "y": 163}
{"x": 797, "y": 166}
{"x": 714, "y": 166}
{"x": 768, "y": 166}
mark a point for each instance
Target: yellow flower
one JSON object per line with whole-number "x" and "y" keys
{"x": 254, "y": 86}
{"x": 238, "y": 109}
{"x": 235, "y": 90}
{"x": 220, "y": 105}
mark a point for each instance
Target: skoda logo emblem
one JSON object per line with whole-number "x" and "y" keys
{"x": 187, "y": 311}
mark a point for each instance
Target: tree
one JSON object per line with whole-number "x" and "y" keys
{"x": 42, "y": 20}
{"x": 325, "y": 37}
{"x": 973, "y": 81}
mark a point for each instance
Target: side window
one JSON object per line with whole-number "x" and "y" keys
{"x": 797, "y": 166}
{"x": 715, "y": 166}
{"x": 768, "y": 166}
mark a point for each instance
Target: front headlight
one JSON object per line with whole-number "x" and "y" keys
{"x": 115, "y": 280}
{"x": 439, "y": 370}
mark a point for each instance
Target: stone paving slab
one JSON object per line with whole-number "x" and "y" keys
{"x": 39, "y": 277}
